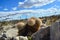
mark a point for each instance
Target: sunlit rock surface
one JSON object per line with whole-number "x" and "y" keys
{"x": 23, "y": 38}
{"x": 12, "y": 32}
{"x": 7, "y": 27}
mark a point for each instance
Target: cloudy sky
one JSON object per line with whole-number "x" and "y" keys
{"x": 21, "y": 9}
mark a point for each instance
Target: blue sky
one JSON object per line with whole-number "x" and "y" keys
{"x": 10, "y": 4}
{"x": 39, "y": 7}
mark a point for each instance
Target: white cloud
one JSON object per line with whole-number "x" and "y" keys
{"x": 15, "y": 8}
{"x": 50, "y": 10}
{"x": 38, "y": 12}
{"x": 36, "y": 3}
{"x": 5, "y": 9}
{"x": 21, "y": 3}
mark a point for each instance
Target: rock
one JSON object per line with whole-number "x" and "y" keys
{"x": 1, "y": 30}
{"x": 55, "y": 31}
{"x": 42, "y": 34}
{"x": 20, "y": 38}
{"x": 48, "y": 33}
{"x": 23, "y": 38}
{"x": 2, "y": 38}
{"x": 7, "y": 27}
{"x": 17, "y": 38}
{"x": 12, "y": 32}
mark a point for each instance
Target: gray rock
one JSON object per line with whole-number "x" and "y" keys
{"x": 55, "y": 31}
{"x": 49, "y": 33}
{"x": 42, "y": 34}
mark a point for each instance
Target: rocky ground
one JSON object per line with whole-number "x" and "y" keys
{"x": 9, "y": 32}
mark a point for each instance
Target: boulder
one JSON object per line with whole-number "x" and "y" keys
{"x": 12, "y": 32}
{"x": 55, "y": 31}
{"x": 42, "y": 34}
